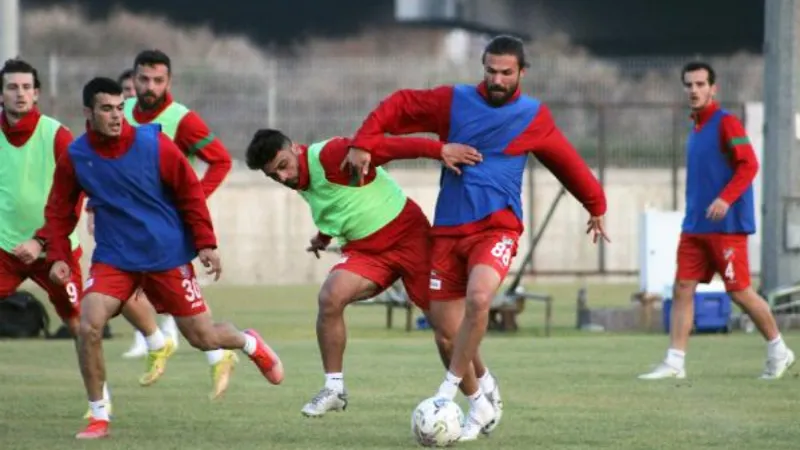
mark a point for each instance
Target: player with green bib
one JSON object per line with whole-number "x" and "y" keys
{"x": 30, "y": 145}
{"x": 384, "y": 234}
{"x": 152, "y": 80}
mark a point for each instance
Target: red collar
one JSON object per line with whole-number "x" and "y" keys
{"x": 148, "y": 115}
{"x": 485, "y": 93}
{"x": 26, "y": 125}
{"x": 701, "y": 117}
{"x": 303, "y": 176}
{"x": 112, "y": 146}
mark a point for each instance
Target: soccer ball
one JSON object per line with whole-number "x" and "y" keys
{"x": 436, "y": 422}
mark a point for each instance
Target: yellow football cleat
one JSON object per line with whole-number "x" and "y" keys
{"x": 157, "y": 363}
{"x": 221, "y": 374}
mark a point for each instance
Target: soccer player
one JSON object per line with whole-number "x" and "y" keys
{"x": 385, "y": 233}
{"x": 720, "y": 214}
{"x": 126, "y": 81}
{"x": 153, "y": 103}
{"x": 30, "y": 145}
{"x": 151, "y": 222}
{"x": 478, "y": 218}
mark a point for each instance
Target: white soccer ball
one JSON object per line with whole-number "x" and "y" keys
{"x": 436, "y": 422}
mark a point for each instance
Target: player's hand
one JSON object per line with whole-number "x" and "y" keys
{"x": 317, "y": 244}
{"x": 358, "y": 161}
{"x": 455, "y": 154}
{"x": 29, "y": 251}
{"x": 90, "y": 222}
{"x": 60, "y": 272}
{"x": 718, "y": 209}
{"x": 210, "y": 260}
{"x": 596, "y": 226}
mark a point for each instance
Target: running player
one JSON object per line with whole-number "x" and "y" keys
{"x": 153, "y": 103}
{"x": 30, "y": 145}
{"x": 151, "y": 221}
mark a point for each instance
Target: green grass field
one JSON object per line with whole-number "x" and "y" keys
{"x": 570, "y": 391}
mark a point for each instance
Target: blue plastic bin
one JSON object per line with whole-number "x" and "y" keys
{"x": 712, "y": 312}
{"x": 422, "y": 323}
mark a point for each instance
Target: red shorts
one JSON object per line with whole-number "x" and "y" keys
{"x": 174, "y": 292}
{"x": 65, "y": 298}
{"x": 408, "y": 260}
{"x": 453, "y": 257}
{"x": 700, "y": 256}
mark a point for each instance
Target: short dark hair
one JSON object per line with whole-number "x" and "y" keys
{"x": 17, "y": 65}
{"x": 506, "y": 45}
{"x": 699, "y": 65}
{"x": 99, "y": 85}
{"x": 152, "y": 58}
{"x": 264, "y": 146}
{"x": 125, "y": 75}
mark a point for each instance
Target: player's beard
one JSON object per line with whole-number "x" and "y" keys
{"x": 149, "y": 100}
{"x": 507, "y": 93}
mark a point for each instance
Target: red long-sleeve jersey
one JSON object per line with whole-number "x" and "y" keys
{"x": 736, "y": 144}
{"x": 176, "y": 174}
{"x": 385, "y": 150}
{"x": 19, "y": 133}
{"x": 428, "y": 110}
{"x": 194, "y": 137}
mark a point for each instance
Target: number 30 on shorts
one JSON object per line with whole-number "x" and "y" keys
{"x": 192, "y": 289}
{"x": 502, "y": 251}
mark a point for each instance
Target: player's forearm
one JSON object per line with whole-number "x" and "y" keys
{"x": 404, "y": 112}
{"x": 392, "y": 148}
{"x": 742, "y": 179}
{"x": 214, "y": 176}
{"x": 571, "y": 170}
{"x": 191, "y": 204}
{"x": 219, "y": 165}
{"x": 55, "y": 232}
{"x": 202, "y": 230}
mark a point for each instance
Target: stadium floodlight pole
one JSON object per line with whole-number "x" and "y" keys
{"x": 780, "y": 247}
{"x": 9, "y": 29}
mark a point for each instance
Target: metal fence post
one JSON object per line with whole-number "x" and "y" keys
{"x": 602, "y": 148}
{"x": 675, "y": 157}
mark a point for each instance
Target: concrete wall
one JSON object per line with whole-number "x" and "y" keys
{"x": 264, "y": 228}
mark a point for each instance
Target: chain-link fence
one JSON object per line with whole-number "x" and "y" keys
{"x": 623, "y": 115}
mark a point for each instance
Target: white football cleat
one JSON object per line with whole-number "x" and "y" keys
{"x": 776, "y": 367}
{"x": 497, "y": 403}
{"x": 325, "y": 400}
{"x": 481, "y": 415}
{"x": 664, "y": 371}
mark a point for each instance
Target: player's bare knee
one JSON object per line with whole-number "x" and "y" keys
{"x": 89, "y": 331}
{"x": 444, "y": 341}
{"x": 331, "y": 303}
{"x": 684, "y": 290}
{"x": 478, "y": 302}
